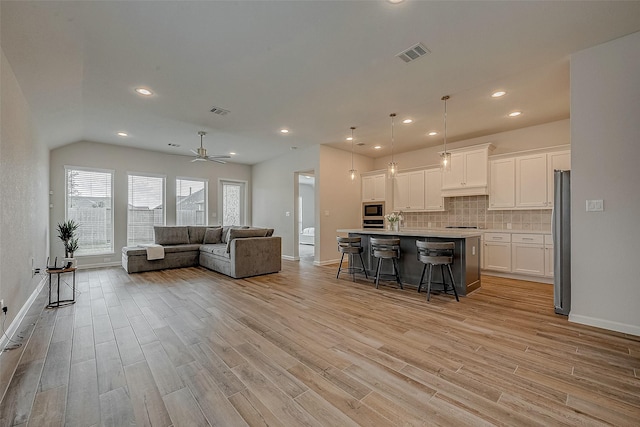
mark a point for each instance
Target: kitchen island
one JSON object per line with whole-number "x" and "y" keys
{"x": 466, "y": 261}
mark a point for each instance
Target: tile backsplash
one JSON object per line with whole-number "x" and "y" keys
{"x": 472, "y": 211}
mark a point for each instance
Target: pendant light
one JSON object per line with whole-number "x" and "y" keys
{"x": 392, "y": 168}
{"x": 445, "y": 157}
{"x": 352, "y": 173}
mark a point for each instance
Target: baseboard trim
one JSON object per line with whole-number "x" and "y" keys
{"x": 605, "y": 324}
{"x": 539, "y": 279}
{"x": 13, "y": 327}
{"x": 327, "y": 262}
{"x": 290, "y": 258}
{"x": 102, "y": 264}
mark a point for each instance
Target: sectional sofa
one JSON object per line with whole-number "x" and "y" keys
{"x": 234, "y": 251}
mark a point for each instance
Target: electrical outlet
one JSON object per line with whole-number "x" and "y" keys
{"x": 1, "y": 304}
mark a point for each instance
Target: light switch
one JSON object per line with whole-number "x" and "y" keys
{"x": 595, "y": 205}
{"x": 326, "y": 213}
{"x": 287, "y": 213}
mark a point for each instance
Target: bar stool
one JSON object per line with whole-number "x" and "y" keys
{"x": 386, "y": 249}
{"x": 351, "y": 246}
{"x": 436, "y": 253}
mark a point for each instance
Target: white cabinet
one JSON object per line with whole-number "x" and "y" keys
{"x": 409, "y": 191}
{"x": 502, "y": 189}
{"x": 531, "y": 181}
{"x": 433, "y": 200}
{"x": 374, "y": 188}
{"x": 548, "y": 255}
{"x": 469, "y": 172}
{"x": 497, "y": 252}
{"x": 560, "y": 160}
{"x": 527, "y": 254}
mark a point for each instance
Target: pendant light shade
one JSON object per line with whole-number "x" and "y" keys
{"x": 353, "y": 173}
{"x": 445, "y": 157}
{"x": 392, "y": 167}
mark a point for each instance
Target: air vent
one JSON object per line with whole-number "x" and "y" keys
{"x": 171, "y": 144}
{"x": 360, "y": 144}
{"x": 220, "y": 111}
{"x": 413, "y": 53}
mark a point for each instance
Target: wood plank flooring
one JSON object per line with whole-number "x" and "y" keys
{"x": 190, "y": 347}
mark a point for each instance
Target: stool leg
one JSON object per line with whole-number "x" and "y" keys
{"x": 421, "y": 278}
{"x": 429, "y": 282}
{"x": 396, "y": 271}
{"x": 378, "y": 272}
{"x": 363, "y": 267}
{"x": 444, "y": 282}
{"x": 340, "y": 266}
{"x": 453, "y": 282}
{"x": 351, "y": 268}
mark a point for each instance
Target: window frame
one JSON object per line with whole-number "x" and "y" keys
{"x": 164, "y": 199}
{"x": 206, "y": 198}
{"x": 111, "y": 173}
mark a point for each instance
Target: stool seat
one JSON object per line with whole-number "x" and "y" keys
{"x": 436, "y": 253}
{"x": 351, "y": 246}
{"x": 386, "y": 249}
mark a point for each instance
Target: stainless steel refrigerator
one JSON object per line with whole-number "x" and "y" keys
{"x": 561, "y": 230}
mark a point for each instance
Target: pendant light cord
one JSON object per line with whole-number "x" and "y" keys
{"x": 352, "y": 129}
{"x": 444, "y": 98}
{"x": 392, "y": 115}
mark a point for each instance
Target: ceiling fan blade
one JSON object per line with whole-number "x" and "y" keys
{"x": 219, "y": 156}
{"x": 194, "y": 152}
{"x": 211, "y": 159}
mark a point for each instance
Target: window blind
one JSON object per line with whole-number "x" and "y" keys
{"x": 145, "y": 208}
{"x": 89, "y": 201}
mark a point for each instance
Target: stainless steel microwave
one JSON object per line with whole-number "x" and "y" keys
{"x": 372, "y": 210}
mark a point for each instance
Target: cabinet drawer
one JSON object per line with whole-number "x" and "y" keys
{"x": 548, "y": 239}
{"x": 497, "y": 237}
{"x": 528, "y": 238}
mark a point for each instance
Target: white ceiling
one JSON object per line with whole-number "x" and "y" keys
{"x": 315, "y": 67}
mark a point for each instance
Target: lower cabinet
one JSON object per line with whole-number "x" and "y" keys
{"x": 497, "y": 252}
{"x": 527, "y": 259}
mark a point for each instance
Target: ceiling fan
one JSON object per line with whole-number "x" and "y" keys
{"x": 201, "y": 153}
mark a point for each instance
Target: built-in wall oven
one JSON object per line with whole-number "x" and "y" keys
{"x": 373, "y": 215}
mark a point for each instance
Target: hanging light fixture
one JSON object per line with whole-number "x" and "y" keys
{"x": 352, "y": 173}
{"x": 445, "y": 157}
{"x": 392, "y": 168}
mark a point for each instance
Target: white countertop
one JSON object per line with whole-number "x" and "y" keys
{"x": 417, "y": 232}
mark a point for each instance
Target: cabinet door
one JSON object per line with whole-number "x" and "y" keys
{"x": 556, "y": 161}
{"x": 502, "y": 192}
{"x": 379, "y": 187}
{"x": 401, "y": 192}
{"x": 368, "y": 189}
{"x": 475, "y": 169}
{"x": 497, "y": 256}
{"x": 455, "y": 177}
{"x": 433, "y": 200}
{"x": 531, "y": 181}
{"x": 527, "y": 259}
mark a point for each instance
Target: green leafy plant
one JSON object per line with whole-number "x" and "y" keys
{"x": 66, "y": 233}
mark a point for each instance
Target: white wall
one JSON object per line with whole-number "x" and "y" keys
{"x": 308, "y": 194}
{"x": 605, "y": 163}
{"x": 24, "y": 211}
{"x": 529, "y": 138}
{"x": 275, "y": 185}
{"x": 124, "y": 160}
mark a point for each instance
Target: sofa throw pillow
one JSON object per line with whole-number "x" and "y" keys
{"x": 171, "y": 235}
{"x": 196, "y": 233}
{"x": 269, "y": 232}
{"x": 212, "y": 236}
{"x": 235, "y": 233}
{"x": 226, "y": 228}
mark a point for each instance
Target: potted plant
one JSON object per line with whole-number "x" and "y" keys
{"x": 394, "y": 219}
{"x": 66, "y": 233}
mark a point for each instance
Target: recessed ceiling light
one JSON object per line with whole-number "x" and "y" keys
{"x": 122, "y": 134}
{"x": 407, "y": 121}
{"x": 377, "y": 147}
{"x": 232, "y": 153}
{"x": 350, "y": 138}
{"x": 433, "y": 133}
{"x": 515, "y": 114}
{"x": 143, "y": 91}
{"x": 498, "y": 94}
{"x": 395, "y": 1}
{"x": 284, "y": 130}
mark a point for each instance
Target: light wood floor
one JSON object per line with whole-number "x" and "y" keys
{"x": 190, "y": 347}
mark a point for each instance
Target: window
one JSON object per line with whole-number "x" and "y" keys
{"x": 89, "y": 201}
{"x": 145, "y": 208}
{"x": 233, "y": 202}
{"x": 191, "y": 201}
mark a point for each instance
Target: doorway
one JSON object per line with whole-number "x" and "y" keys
{"x": 306, "y": 217}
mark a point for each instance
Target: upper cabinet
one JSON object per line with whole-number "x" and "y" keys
{"x": 469, "y": 172}
{"x": 374, "y": 188}
{"x": 408, "y": 191}
{"x": 525, "y": 181}
{"x": 433, "y": 200}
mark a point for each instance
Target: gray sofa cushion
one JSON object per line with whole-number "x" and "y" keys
{"x": 171, "y": 235}
{"x": 212, "y": 236}
{"x": 244, "y": 233}
{"x": 196, "y": 233}
{"x": 216, "y": 249}
{"x": 226, "y": 228}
